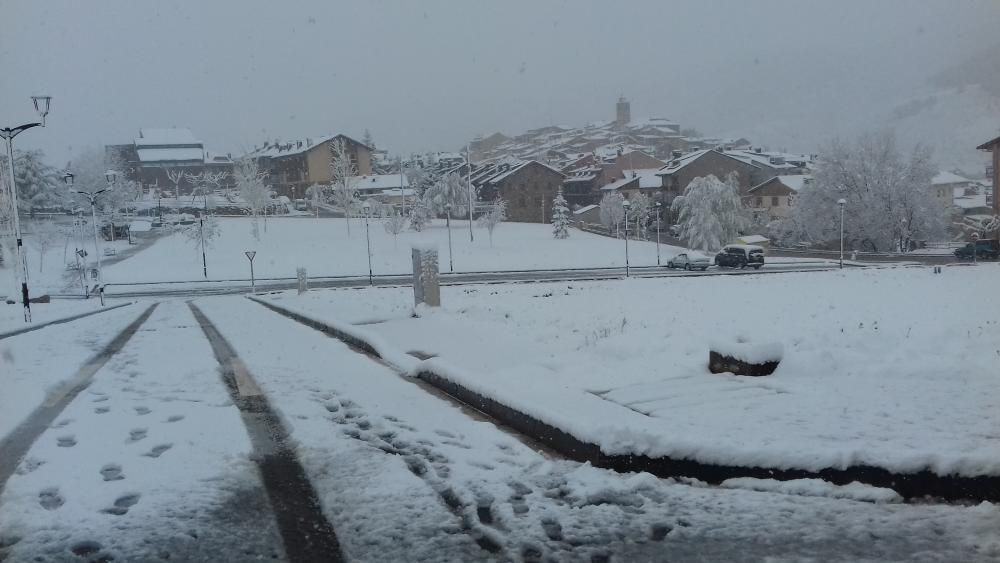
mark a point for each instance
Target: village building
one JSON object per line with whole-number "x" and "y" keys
{"x": 293, "y": 166}
{"x": 155, "y": 151}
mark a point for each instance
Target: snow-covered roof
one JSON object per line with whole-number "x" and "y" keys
{"x": 618, "y": 184}
{"x": 165, "y": 136}
{"x": 381, "y": 182}
{"x": 585, "y": 209}
{"x": 648, "y": 178}
{"x": 945, "y": 177}
{"x": 971, "y": 201}
{"x": 288, "y": 148}
{"x": 396, "y": 192}
{"x": 795, "y": 181}
{"x": 171, "y": 155}
{"x": 751, "y": 239}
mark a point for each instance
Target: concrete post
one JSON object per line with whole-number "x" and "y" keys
{"x": 303, "y": 280}
{"x": 426, "y": 288}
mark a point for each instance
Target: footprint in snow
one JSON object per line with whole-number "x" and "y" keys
{"x": 101, "y": 410}
{"x": 444, "y": 433}
{"x": 122, "y": 504}
{"x": 50, "y": 499}
{"x": 66, "y": 441}
{"x": 28, "y": 465}
{"x": 142, "y": 410}
{"x": 112, "y": 472}
{"x": 136, "y": 434}
{"x": 175, "y": 418}
{"x": 158, "y": 450}
{"x": 63, "y": 423}
{"x": 100, "y": 399}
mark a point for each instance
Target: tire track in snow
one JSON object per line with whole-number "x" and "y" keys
{"x": 306, "y": 533}
{"x": 18, "y": 442}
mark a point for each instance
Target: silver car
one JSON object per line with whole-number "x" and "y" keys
{"x": 690, "y": 261}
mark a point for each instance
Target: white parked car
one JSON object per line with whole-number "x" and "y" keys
{"x": 690, "y": 261}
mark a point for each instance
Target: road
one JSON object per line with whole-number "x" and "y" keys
{"x": 237, "y": 286}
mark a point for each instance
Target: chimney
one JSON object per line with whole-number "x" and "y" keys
{"x": 676, "y": 154}
{"x": 298, "y": 144}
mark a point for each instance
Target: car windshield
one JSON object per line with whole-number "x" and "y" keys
{"x": 504, "y": 280}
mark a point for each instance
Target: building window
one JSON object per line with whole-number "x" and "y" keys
{"x": 774, "y": 201}
{"x": 760, "y": 202}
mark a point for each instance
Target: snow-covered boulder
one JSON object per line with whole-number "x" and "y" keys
{"x": 744, "y": 358}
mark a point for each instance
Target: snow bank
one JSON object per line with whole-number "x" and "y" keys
{"x": 816, "y": 488}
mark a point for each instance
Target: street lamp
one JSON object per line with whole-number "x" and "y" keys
{"x": 658, "y": 205}
{"x": 447, "y": 220}
{"x": 92, "y": 196}
{"x": 975, "y": 247}
{"x": 367, "y": 207}
{"x": 626, "y": 205}
{"x": 841, "y": 202}
{"x": 42, "y": 107}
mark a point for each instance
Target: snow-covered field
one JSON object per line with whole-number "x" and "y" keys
{"x": 12, "y": 316}
{"x": 892, "y": 368}
{"x": 324, "y": 249}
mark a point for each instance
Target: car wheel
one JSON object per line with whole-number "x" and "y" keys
{"x": 704, "y": 269}
{"x": 757, "y": 267}
{"x": 687, "y": 267}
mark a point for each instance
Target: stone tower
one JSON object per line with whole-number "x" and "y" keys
{"x": 623, "y": 113}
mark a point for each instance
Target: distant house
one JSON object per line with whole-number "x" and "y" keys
{"x": 385, "y": 188}
{"x": 527, "y": 186}
{"x": 947, "y": 186}
{"x": 295, "y": 165}
{"x": 588, "y": 214}
{"x": 775, "y": 198}
{"x": 157, "y": 150}
{"x": 679, "y": 172}
{"x": 993, "y": 171}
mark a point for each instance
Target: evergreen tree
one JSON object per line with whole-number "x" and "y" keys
{"x": 560, "y": 216}
{"x": 37, "y": 182}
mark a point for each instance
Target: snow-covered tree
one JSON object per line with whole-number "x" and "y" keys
{"x": 420, "y": 215}
{"x": 89, "y": 169}
{"x": 394, "y": 224}
{"x": 612, "y": 211}
{"x": 45, "y": 235}
{"x": 889, "y": 200}
{"x": 249, "y": 180}
{"x": 419, "y": 179}
{"x": 710, "y": 213}
{"x": 315, "y": 193}
{"x": 345, "y": 178}
{"x": 38, "y": 185}
{"x": 449, "y": 190}
{"x": 560, "y": 216}
{"x": 640, "y": 208}
{"x": 496, "y": 214}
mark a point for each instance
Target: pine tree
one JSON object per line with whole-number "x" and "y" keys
{"x": 560, "y": 216}
{"x": 37, "y": 184}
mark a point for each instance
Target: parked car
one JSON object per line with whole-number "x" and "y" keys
{"x": 690, "y": 261}
{"x": 985, "y": 250}
{"x": 675, "y": 230}
{"x": 740, "y": 256}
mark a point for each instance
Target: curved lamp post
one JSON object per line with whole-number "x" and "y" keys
{"x": 92, "y": 196}
{"x": 658, "y": 205}
{"x": 8, "y": 133}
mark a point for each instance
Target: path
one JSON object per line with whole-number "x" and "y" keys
{"x": 160, "y": 457}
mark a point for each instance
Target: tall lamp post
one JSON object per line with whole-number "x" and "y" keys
{"x": 658, "y": 206}
{"x": 447, "y": 220}
{"x": 8, "y": 133}
{"x": 367, "y": 207}
{"x": 626, "y": 205}
{"x": 841, "y": 202}
{"x": 975, "y": 247}
{"x": 92, "y": 196}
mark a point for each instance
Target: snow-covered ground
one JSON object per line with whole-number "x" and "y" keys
{"x": 151, "y": 462}
{"x": 12, "y": 316}
{"x": 388, "y": 458}
{"x": 892, "y": 368}
{"x": 38, "y": 366}
{"x": 324, "y": 249}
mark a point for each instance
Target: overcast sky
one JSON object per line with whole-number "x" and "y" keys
{"x": 429, "y": 75}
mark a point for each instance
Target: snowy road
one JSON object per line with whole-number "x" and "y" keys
{"x": 154, "y": 460}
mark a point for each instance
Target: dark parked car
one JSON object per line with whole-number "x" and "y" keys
{"x": 985, "y": 250}
{"x": 740, "y": 256}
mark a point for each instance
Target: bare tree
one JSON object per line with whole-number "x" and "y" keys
{"x": 250, "y": 183}
{"x": 612, "y": 211}
{"x": 344, "y": 174}
{"x": 46, "y": 236}
{"x": 176, "y": 176}
{"x": 497, "y": 214}
{"x": 394, "y": 225}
